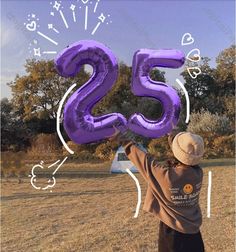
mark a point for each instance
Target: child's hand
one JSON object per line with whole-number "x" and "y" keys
{"x": 116, "y": 134}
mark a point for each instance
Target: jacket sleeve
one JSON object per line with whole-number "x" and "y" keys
{"x": 143, "y": 161}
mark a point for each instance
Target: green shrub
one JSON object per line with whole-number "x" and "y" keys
{"x": 218, "y": 146}
{"x": 225, "y": 146}
{"x": 83, "y": 157}
{"x": 209, "y": 151}
{"x": 215, "y": 147}
{"x": 44, "y": 142}
{"x": 44, "y": 146}
{"x": 205, "y": 122}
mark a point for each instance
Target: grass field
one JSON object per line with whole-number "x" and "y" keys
{"x": 94, "y": 212}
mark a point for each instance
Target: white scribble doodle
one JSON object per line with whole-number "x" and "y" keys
{"x": 46, "y": 37}
{"x": 59, "y": 116}
{"x": 51, "y": 27}
{"x": 32, "y": 24}
{"x": 52, "y": 181}
{"x": 102, "y": 19}
{"x": 187, "y": 100}
{"x": 194, "y": 72}
{"x": 96, "y": 5}
{"x": 58, "y": 12}
{"x": 194, "y": 55}
{"x": 187, "y": 39}
{"x": 37, "y": 52}
{"x": 57, "y": 5}
{"x": 63, "y": 18}
{"x": 209, "y": 194}
{"x": 84, "y": 1}
{"x": 86, "y": 18}
{"x": 49, "y": 52}
{"x": 139, "y": 192}
{"x": 72, "y": 7}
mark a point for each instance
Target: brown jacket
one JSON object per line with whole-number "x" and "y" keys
{"x": 172, "y": 193}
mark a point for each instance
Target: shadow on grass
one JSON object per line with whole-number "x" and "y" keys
{"x": 80, "y": 174}
{"x": 47, "y": 194}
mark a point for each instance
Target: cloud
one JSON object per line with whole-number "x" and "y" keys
{"x": 13, "y": 34}
{"x": 7, "y": 35}
{"x": 13, "y": 54}
{"x": 7, "y": 78}
{"x": 8, "y": 75}
{"x": 6, "y": 90}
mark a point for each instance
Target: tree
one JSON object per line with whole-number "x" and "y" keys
{"x": 38, "y": 93}
{"x": 205, "y": 122}
{"x": 201, "y": 90}
{"x": 229, "y": 106}
{"x": 13, "y": 131}
{"x": 225, "y": 71}
{"x": 225, "y": 81}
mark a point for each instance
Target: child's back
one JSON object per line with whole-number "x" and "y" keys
{"x": 173, "y": 192}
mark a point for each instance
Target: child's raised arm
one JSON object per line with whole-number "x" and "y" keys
{"x": 139, "y": 158}
{"x": 143, "y": 161}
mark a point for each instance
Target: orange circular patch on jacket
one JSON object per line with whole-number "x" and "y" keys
{"x": 188, "y": 188}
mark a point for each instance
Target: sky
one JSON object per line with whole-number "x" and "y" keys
{"x": 128, "y": 27}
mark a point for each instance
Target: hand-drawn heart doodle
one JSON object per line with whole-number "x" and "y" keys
{"x": 187, "y": 39}
{"x": 193, "y": 73}
{"x": 195, "y": 55}
{"x": 31, "y": 26}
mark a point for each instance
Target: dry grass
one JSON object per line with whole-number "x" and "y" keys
{"x": 95, "y": 213}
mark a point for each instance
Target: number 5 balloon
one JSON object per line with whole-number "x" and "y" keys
{"x": 79, "y": 124}
{"x": 144, "y": 60}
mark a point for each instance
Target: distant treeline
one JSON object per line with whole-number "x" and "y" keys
{"x": 36, "y": 96}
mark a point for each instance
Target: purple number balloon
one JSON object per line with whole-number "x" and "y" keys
{"x": 79, "y": 124}
{"x": 144, "y": 60}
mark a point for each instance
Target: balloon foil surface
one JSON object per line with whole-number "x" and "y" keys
{"x": 79, "y": 124}
{"x": 143, "y": 62}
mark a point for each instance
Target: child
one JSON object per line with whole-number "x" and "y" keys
{"x": 173, "y": 190}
